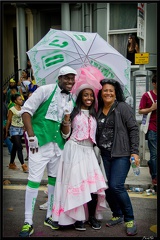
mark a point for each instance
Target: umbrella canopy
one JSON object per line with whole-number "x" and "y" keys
{"x": 60, "y": 48}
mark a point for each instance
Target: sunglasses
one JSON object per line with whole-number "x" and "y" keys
{"x": 108, "y": 81}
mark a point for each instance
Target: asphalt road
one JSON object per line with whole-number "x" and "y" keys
{"x": 145, "y": 210}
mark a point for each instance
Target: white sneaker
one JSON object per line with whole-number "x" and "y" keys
{"x": 44, "y": 206}
{"x": 46, "y": 192}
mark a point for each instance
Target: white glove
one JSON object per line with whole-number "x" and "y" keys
{"x": 33, "y": 142}
{"x": 68, "y": 108}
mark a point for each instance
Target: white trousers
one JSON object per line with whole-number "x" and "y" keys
{"x": 47, "y": 156}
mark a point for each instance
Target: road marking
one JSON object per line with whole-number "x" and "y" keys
{"x": 43, "y": 188}
{"x": 21, "y": 187}
{"x": 142, "y": 195}
{"x": 153, "y": 228}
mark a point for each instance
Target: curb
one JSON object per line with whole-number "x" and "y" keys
{"x": 22, "y": 181}
{"x": 45, "y": 182}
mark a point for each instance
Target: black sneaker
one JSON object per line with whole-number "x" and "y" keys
{"x": 114, "y": 221}
{"x": 95, "y": 224}
{"x": 50, "y": 223}
{"x": 79, "y": 225}
{"x": 27, "y": 230}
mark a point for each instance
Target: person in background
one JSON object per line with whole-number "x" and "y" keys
{"x": 6, "y": 140}
{"x": 118, "y": 140}
{"x": 24, "y": 82}
{"x": 14, "y": 126}
{"x": 146, "y": 105}
{"x": 12, "y": 83}
{"x": 11, "y": 89}
{"x": 132, "y": 48}
{"x": 42, "y": 115}
{"x": 32, "y": 87}
{"x": 30, "y": 70}
{"x": 14, "y": 90}
{"x": 79, "y": 168}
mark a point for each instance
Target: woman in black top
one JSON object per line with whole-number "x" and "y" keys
{"x": 118, "y": 140}
{"x": 132, "y": 48}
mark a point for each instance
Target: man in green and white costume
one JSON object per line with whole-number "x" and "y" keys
{"x": 42, "y": 115}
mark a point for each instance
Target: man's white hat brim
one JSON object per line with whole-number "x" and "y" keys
{"x": 66, "y": 70}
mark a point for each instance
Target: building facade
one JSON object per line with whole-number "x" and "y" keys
{"x": 24, "y": 24}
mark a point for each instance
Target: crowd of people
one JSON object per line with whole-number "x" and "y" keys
{"x": 14, "y": 97}
{"x": 80, "y": 111}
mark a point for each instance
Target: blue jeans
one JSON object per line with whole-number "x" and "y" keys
{"x": 152, "y": 145}
{"x": 9, "y": 144}
{"x": 116, "y": 195}
{"x": 13, "y": 131}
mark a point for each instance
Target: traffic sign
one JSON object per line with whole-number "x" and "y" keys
{"x": 141, "y": 58}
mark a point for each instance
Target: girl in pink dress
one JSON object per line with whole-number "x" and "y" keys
{"x": 80, "y": 186}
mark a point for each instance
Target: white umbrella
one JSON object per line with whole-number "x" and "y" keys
{"x": 59, "y": 48}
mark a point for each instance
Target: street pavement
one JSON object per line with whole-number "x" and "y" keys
{"x": 145, "y": 207}
{"x": 145, "y": 213}
{"x": 19, "y": 177}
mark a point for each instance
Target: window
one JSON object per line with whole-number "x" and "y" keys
{"x": 122, "y": 22}
{"x": 123, "y": 16}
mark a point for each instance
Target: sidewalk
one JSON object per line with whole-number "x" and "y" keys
{"x": 18, "y": 177}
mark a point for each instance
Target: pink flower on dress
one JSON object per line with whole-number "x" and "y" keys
{"x": 56, "y": 211}
{"x": 91, "y": 180}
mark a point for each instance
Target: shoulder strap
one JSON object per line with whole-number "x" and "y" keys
{"x": 24, "y": 86}
{"x": 150, "y": 96}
